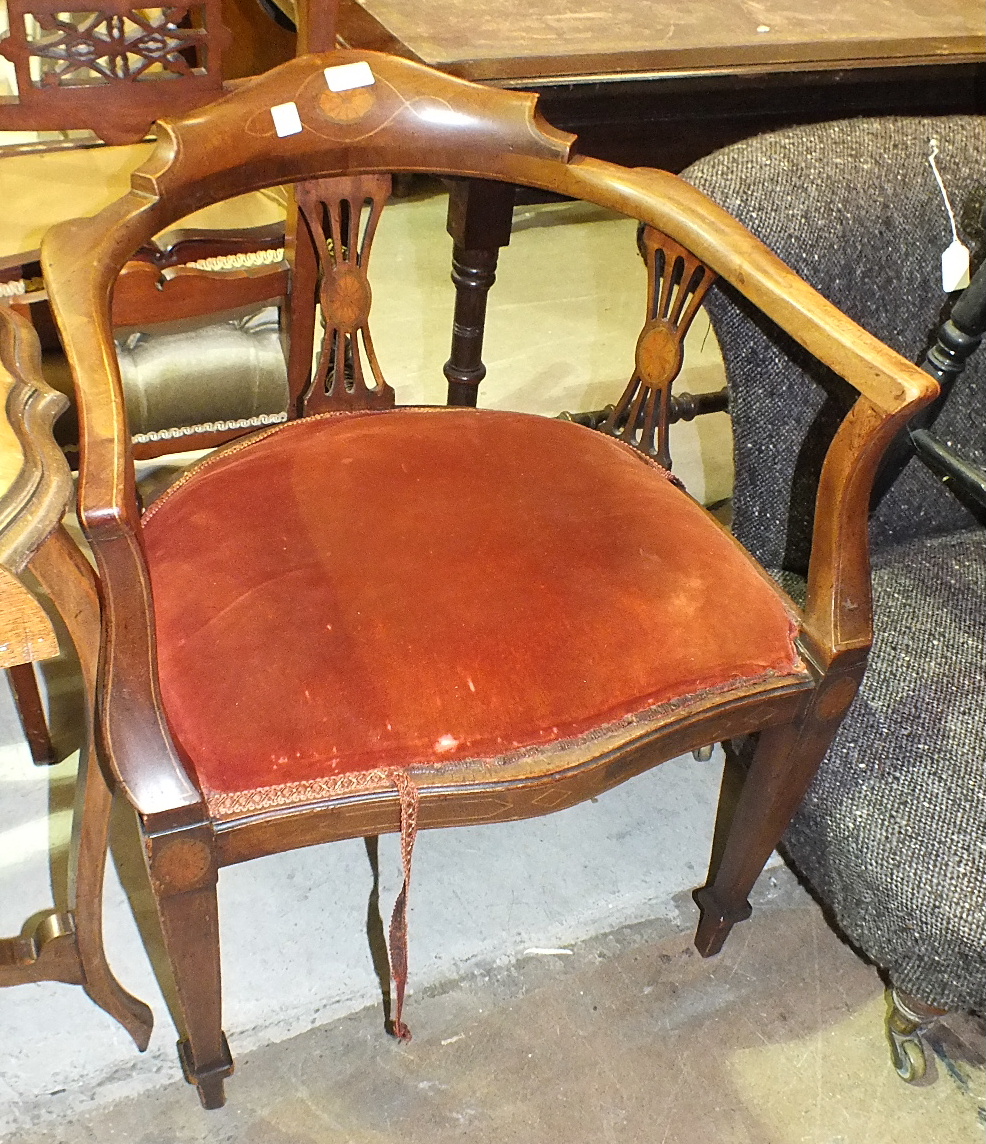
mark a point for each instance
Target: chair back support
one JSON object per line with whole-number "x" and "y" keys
{"x": 112, "y": 70}
{"x": 677, "y": 283}
{"x": 337, "y": 219}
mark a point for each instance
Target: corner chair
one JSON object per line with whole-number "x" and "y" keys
{"x": 376, "y": 619}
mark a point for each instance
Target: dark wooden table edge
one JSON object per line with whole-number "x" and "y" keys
{"x": 876, "y": 66}
{"x": 359, "y": 29}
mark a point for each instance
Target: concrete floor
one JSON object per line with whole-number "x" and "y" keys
{"x": 629, "y": 1037}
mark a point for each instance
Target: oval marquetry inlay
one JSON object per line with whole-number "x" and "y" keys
{"x": 346, "y": 298}
{"x": 659, "y": 355}
{"x": 347, "y": 106}
{"x": 181, "y": 865}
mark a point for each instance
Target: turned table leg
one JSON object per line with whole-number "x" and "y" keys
{"x": 480, "y": 214}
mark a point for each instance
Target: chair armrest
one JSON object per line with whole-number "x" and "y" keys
{"x": 837, "y": 618}
{"x": 690, "y": 217}
{"x": 136, "y": 740}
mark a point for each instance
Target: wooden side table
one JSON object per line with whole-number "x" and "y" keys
{"x": 35, "y": 491}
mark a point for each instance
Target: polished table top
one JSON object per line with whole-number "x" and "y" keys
{"x": 511, "y": 40}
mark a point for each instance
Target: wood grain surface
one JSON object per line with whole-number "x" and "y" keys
{"x": 501, "y": 38}
{"x": 26, "y": 634}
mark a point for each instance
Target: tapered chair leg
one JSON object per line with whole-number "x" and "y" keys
{"x": 784, "y": 763}
{"x": 184, "y": 879}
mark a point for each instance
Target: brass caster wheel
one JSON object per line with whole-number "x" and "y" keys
{"x": 703, "y": 754}
{"x": 908, "y": 1056}
{"x": 907, "y": 1021}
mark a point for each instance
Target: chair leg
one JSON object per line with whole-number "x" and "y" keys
{"x": 783, "y": 766}
{"x": 27, "y": 698}
{"x": 184, "y": 881}
{"x": 90, "y": 843}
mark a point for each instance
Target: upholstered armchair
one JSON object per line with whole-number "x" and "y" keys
{"x": 892, "y": 833}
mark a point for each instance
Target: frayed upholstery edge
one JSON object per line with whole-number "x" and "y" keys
{"x": 230, "y": 804}
{"x": 408, "y": 795}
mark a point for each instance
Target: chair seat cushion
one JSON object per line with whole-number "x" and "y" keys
{"x": 358, "y": 593}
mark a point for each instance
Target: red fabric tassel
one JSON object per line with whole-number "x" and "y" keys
{"x": 408, "y": 794}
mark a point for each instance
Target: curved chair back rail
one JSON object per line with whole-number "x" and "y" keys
{"x": 418, "y": 120}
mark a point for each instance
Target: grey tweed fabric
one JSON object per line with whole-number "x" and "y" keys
{"x": 854, "y": 208}
{"x": 892, "y": 834}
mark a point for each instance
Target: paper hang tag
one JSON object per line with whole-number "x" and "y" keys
{"x": 955, "y": 267}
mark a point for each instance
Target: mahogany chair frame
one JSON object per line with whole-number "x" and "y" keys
{"x": 64, "y": 945}
{"x": 418, "y": 120}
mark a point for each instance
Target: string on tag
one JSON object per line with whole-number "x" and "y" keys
{"x": 955, "y": 257}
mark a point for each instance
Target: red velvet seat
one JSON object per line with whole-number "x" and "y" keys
{"x": 418, "y": 588}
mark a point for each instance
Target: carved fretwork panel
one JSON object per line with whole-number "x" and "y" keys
{"x": 336, "y": 224}
{"x": 73, "y": 48}
{"x": 109, "y": 66}
{"x": 677, "y": 283}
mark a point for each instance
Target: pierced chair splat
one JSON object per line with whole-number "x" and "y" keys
{"x": 423, "y": 630}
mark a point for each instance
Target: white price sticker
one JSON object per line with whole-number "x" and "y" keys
{"x": 955, "y": 257}
{"x": 345, "y": 77}
{"x": 287, "y": 121}
{"x": 955, "y": 267}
